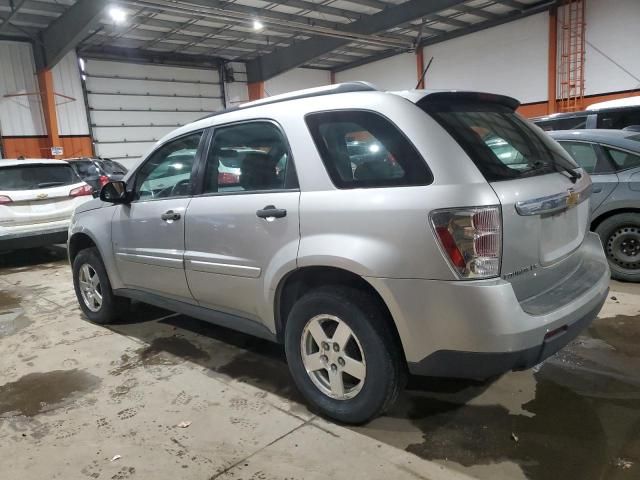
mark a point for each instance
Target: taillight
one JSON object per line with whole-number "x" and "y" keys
{"x": 226, "y": 178}
{"x": 4, "y": 200}
{"x": 81, "y": 191}
{"x": 103, "y": 180}
{"x": 471, "y": 239}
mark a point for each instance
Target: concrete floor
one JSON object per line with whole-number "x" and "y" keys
{"x": 74, "y": 395}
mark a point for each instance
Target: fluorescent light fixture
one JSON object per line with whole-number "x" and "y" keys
{"x": 117, "y": 14}
{"x": 257, "y": 25}
{"x": 81, "y": 61}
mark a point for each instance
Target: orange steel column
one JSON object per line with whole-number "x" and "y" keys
{"x": 553, "y": 61}
{"x": 256, "y": 90}
{"x": 420, "y": 66}
{"x": 45, "y": 80}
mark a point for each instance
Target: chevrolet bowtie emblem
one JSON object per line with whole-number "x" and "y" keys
{"x": 572, "y": 199}
{"x": 42, "y": 196}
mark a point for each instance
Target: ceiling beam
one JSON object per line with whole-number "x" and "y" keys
{"x": 135, "y": 55}
{"x": 68, "y": 30}
{"x": 512, "y": 3}
{"x": 531, "y": 9}
{"x": 7, "y": 21}
{"x": 476, "y": 27}
{"x": 478, "y": 12}
{"x": 283, "y": 59}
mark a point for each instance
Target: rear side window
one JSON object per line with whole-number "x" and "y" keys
{"x": 565, "y": 123}
{"x": 34, "y": 177}
{"x": 623, "y": 160}
{"x": 502, "y": 144}
{"x": 361, "y": 149}
{"x": 619, "y": 119}
{"x": 583, "y": 153}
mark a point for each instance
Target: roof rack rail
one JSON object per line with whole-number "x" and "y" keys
{"x": 347, "y": 87}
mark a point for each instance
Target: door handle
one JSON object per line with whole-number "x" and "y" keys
{"x": 597, "y": 188}
{"x": 170, "y": 215}
{"x": 271, "y": 212}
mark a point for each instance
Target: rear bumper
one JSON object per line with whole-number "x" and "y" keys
{"x": 34, "y": 238}
{"x": 478, "y": 329}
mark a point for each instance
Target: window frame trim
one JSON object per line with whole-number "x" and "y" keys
{"x": 131, "y": 182}
{"x": 198, "y": 190}
{"x": 387, "y": 119}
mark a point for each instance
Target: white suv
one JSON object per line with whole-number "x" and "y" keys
{"x": 37, "y": 198}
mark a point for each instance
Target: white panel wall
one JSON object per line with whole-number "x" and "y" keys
{"x": 21, "y": 115}
{"x": 510, "y": 59}
{"x": 613, "y": 27}
{"x": 134, "y": 105}
{"x": 296, "y": 79}
{"x": 72, "y": 114}
{"x": 394, "y": 73}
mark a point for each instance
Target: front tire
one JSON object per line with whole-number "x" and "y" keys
{"x": 620, "y": 236}
{"x": 342, "y": 355}
{"x": 93, "y": 289}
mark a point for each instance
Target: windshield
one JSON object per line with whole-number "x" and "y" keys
{"x": 33, "y": 177}
{"x": 501, "y": 143}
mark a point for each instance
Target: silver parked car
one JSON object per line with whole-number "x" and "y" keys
{"x": 612, "y": 158}
{"x": 456, "y": 245}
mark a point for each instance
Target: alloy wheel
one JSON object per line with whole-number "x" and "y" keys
{"x": 333, "y": 357}
{"x": 90, "y": 288}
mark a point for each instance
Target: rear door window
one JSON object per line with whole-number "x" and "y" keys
{"x": 361, "y": 149}
{"x": 583, "y": 153}
{"x": 623, "y": 159}
{"x": 34, "y": 177}
{"x": 501, "y": 143}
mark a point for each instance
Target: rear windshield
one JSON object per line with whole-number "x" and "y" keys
{"x": 112, "y": 168}
{"x": 85, "y": 168}
{"x": 34, "y": 177}
{"x": 502, "y": 144}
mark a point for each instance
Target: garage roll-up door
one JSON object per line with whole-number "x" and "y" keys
{"x": 133, "y": 105}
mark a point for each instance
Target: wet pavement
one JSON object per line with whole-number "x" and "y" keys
{"x": 73, "y": 395}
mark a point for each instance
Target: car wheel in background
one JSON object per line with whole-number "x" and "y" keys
{"x": 93, "y": 289}
{"x": 620, "y": 235}
{"x": 341, "y": 354}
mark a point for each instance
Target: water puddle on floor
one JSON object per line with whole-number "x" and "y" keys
{"x": 44, "y": 391}
{"x": 579, "y": 415}
{"x": 12, "y": 318}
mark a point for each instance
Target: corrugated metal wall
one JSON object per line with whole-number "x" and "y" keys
{"x": 134, "y": 105}
{"x": 72, "y": 114}
{"x": 19, "y": 115}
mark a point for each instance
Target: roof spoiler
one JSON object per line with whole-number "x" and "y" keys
{"x": 447, "y": 98}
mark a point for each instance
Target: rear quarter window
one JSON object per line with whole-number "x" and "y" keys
{"x": 34, "y": 177}
{"x": 362, "y": 149}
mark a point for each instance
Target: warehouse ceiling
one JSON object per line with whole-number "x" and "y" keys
{"x": 271, "y": 36}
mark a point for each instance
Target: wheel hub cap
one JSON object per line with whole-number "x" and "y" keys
{"x": 333, "y": 357}
{"x": 90, "y": 288}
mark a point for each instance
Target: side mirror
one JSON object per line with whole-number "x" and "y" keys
{"x": 114, "y": 192}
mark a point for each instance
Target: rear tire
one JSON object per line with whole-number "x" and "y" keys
{"x": 353, "y": 380}
{"x": 620, "y": 235}
{"x": 93, "y": 289}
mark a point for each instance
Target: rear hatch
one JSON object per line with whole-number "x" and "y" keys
{"x": 542, "y": 192}
{"x": 38, "y": 193}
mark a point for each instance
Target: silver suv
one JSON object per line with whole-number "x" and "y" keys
{"x": 374, "y": 234}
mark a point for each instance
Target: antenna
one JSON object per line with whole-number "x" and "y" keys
{"x": 424, "y": 73}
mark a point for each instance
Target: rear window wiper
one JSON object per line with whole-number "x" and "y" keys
{"x": 50, "y": 184}
{"x": 573, "y": 175}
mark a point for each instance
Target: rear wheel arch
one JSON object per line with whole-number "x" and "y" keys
{"x": 302, "y": 280}
{"x": 608, "y": 214}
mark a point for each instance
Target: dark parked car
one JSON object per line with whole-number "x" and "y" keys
{"x": 596, "y": 116}
{"x": 612, "y": 158}
{"x": 97, "y": 171}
